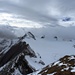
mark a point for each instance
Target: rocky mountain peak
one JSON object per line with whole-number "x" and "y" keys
{"x": 64, "y": 66}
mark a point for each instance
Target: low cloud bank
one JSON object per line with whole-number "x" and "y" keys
{"x": 6, "y": 32}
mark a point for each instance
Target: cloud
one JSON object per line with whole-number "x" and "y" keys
{"x": 6, "y": 32}
{"x": 26, "y": 12}
{"x": 66, "y": 7}
{"x": 41, "y": 11}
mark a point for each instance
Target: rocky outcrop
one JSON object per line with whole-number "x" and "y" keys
{"x": 31, "y": 35}
{"x": 14, "y": 59}
{"x": 19, "y": 64}
{"x": 28, "y": 35}
{"x": 43, "y": 36}
{"x": 14, "y": 51}
{"x": 64, "y": 66}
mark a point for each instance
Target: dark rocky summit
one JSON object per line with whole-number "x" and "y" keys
{"x": 14, "y": 59}
{"x": 64, "y": 66}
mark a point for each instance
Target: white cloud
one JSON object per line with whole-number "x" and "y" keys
{"x": 14, "y": 20}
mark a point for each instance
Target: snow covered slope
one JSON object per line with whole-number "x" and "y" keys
{"x": 51, "y": 51}
{"x": 14, "y": 56}
{"x": 57, "y": 42}
{"x": 49, "y": 46}
{"x": 64, "y": 66}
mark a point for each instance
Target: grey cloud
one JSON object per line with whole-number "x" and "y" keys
{"x": 6, "y": 32}
{"x": 66, "y": 7}
{"x": 39, "y": 10}
{"x": 26, "y": 12}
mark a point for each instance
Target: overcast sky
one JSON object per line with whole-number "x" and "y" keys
{"x": 40, "y": 11}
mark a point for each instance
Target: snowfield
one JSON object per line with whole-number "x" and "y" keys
{"x": 51, "y": 51}
{"x": 50, "y": 48}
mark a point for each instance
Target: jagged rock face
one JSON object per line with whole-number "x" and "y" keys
{"x": 20, "y": 64}
{"x": 30, "y": 35}
{"x": 65, "y": 66}
{"x": 14, "y": 51}
{"x": 14, "y": 59}
{"x": 5, "y": 44}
